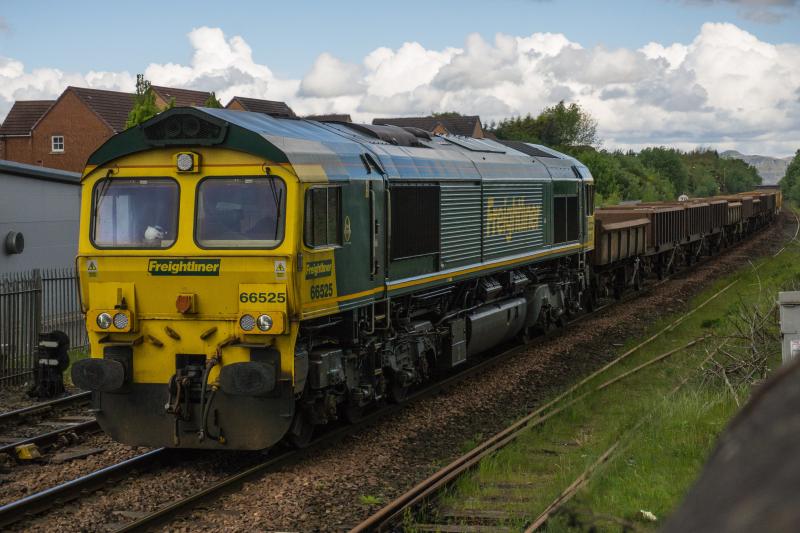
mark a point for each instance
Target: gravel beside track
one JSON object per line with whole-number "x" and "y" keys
{"x": 324, "y": 492}
{"x": 16, "y": 397}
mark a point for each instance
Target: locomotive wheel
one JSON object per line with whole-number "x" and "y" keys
{"x": 302, "y": 430}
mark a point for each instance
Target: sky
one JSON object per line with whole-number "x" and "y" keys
{"x": 685, "y": 73}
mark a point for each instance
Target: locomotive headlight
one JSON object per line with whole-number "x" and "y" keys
{"x": 185, "y": 162}
{"x": 104, "y": 321}
{"x": 264, "y": 322}
{"x": 120, "y": 321}
{"x": 247, "y": 322}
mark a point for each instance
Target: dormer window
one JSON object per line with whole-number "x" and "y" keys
{"x": 57, "y": 144}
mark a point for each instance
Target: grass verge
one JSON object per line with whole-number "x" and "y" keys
{"x": 647, "y": 477}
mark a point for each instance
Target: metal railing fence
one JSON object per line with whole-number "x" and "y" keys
{"x": 36, "y": 302}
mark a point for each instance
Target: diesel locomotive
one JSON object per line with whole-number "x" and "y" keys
{"x": 247, "y": 278}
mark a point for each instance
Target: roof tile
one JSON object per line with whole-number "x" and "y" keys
{"x": 333, "y": 117}
{"x": 268, "y": 107}
{"x": 24, "y": 115}
{"x": 462, "y": 125}
{"x": 183, "y": 97}
{"x": 111, "y": 106}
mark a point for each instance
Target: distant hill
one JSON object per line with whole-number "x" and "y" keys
{"x": 771, "y": 169}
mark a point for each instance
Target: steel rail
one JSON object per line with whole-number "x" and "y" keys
{"x": 48, "y": 498}
{"x": 46, "y": 439}
{"x": 794, "y": 238}
{"x": 45, "y": 499}
{"x": 177, "y": 507}
{"x": 492, "y": 358}
{"x": 445, "y": 476}
{"x": 607, "y": 456}
{"x": 8, "y": 416}
{"x": 33, "y": 504}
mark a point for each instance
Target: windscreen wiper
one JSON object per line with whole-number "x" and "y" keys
{"x": 105, "y": 183}
{"x": 277, "y": 197}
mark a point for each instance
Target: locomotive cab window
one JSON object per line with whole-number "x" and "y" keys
{"x": 322, "y": 217}
{"x": 589, "y": 198}
{"x": 242, "y": 212}
{"x": 134, "y": 213}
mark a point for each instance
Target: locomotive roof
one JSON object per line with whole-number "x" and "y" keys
{"x": 342, "y": 151}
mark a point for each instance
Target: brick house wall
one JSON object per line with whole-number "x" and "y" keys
{"x": 82, "y": 129}
{"x": 18, "y": 149}
{"x": 235, "y": 105}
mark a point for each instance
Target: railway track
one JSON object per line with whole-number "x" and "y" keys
{"x": 81, "y": 487}
{"x": 39, "y": 502}
{"x": 66, "y": 432}
{"x": 14, "y": 417}
{"x": 393, "y": 514}
{"x": 495, "y": 357}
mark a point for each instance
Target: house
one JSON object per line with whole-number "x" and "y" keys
{"x": 15, "y": 133}
{"x": 181, "y": 97}
{"x": 61, "y": 134}
{"x": 334, "y": 117}
{"x": 39, "y": 217}
{"x": 268, "y": 107}
{"x": 467, "y": 126}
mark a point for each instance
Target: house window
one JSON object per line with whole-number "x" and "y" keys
{"x": 323, "y": 213}
{"x": 57, "y": 143}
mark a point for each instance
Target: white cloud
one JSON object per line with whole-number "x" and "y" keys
{"x": 331, "y": 77}
{"x": 674, "y": 53}
{"x": 725, "y": 88}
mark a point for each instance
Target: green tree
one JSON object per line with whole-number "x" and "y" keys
{"x": 667, "y": 163}
{"x": 567, "y": 125}
{"x": 790, "y": 183}
{"x": 558, "y": 126}
{"x": 212, "y": 101}
{"x": 144, "y": 104}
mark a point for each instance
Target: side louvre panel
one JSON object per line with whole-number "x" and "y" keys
{"x": 514, "y": 218}
{"x": 461, "y": 224}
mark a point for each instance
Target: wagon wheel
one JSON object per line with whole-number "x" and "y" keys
{"x": 302, "y": 429}
{"x": 637, "y": 281}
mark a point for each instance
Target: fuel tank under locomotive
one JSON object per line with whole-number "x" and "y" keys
{"x": 408, "y": 352}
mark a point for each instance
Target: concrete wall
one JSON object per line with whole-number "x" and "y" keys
{"x": 44, "y": 205}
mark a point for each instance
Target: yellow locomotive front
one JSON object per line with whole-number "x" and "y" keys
{"x": 186, "y": 260}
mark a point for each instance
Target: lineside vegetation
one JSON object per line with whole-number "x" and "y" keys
{"x": 653, "y": 174}
{"x": 659, "y": 459}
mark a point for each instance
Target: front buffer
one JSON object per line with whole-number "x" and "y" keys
{"x": 247, "y": 408}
